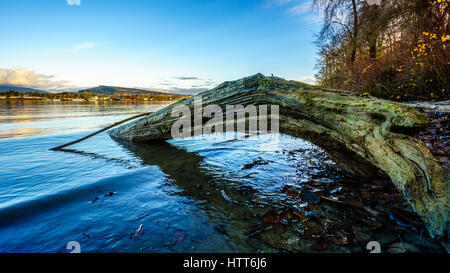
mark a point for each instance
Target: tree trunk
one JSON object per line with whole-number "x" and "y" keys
{"x": 372, "y": 15}
{"x": 362, "y": 135}
{"x": 355, "y": 31}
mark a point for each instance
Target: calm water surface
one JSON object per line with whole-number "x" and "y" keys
{"x": 189, "y": 195}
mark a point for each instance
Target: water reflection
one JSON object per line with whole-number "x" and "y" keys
{"x": 230, "y": 220}
{"x": 234, "y": 193}
{"x": 20, "y": 118}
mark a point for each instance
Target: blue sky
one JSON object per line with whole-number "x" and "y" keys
{"x": 189, "y": 44}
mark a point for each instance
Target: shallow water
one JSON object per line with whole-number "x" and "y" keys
{"x": 101, "y": 194}
{"x": 213, "y": 193}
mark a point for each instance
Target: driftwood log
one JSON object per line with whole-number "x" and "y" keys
{"x": 364, "y": 136}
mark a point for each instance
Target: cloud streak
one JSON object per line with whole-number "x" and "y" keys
{"x": 305, "y": 10}
{"x": 301, "y": 8}
{"x": 83, "y": 46}
{"x": 187, "y": 78}
{"x": 73, "y": 2}
{"x": 271, "y": 3}
{"x": 19, "y": 76}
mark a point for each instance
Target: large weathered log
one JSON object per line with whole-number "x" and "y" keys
{"x": 362, "y": 135}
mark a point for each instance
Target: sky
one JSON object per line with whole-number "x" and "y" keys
{"x": 180, "y": 45}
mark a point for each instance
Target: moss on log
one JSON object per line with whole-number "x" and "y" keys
{"x": 364, "y": 136}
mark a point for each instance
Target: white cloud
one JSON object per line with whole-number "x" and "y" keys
{"x": 270, "y": 3}
{"x": 74, "y": 2}
{"x": 301, "y": 9}
{"x": 83, "y": 46}
{"x": 305, "y": 10}
{"x": 20, "y": 76}
{"x": 308, "y": 79}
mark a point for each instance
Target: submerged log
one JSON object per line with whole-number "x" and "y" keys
{"x": 364, "y": 136}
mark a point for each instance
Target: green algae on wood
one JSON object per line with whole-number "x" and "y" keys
{"x": 363, "y": 135}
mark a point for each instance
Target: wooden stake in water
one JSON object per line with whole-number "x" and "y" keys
{"x": 61, "y": 147}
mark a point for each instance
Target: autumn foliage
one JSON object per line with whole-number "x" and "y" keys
{"x": 398, "y": 50}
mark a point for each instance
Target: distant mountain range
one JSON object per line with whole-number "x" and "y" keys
{"x": 105, "y": 90}
{"x": 111, "y": 90}
{"x": 19, "y": 89}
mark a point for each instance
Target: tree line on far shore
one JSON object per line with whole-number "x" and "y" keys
{"x": 91, "y": 96}
{"x": 395, "y": 49}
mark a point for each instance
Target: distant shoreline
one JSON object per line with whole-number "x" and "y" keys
{"x": 118, "y": 95}
{"x": 81, "y": 101}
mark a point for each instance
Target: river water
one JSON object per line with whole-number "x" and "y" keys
{"x": 219, "y": 193}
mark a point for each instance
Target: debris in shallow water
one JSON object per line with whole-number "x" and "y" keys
{"x": 400, "y": 223}
{"x": 436, "y": 136}
{"x": 226, "y": 197}
{"x": 105, "y": 195}
{"x": 201, "y": 202}
{"x": 271, "y": 217}
{"x": 254, "y": 163}
{"x": 142, "y": 216}
{"x": 280, "y": 240}
{"x": 140, "y": 231}
{"x": 179, "y": 237}
{"x": 342, "y": 202}
{"x": 220, "y": 229}
{"x": 338, "y": 239}
{"x": 336, "y": 190}
{"x": 290, "y": 191}
{"x": 312, "y": 215}
{"x": 109, "y": 194}
{"x": 309, "y": 197}
{"x": 361, "y": 237}
{"x": 401, "y": 247}
{"x": 286, "y": 216}
{"x": 351, "y": 217}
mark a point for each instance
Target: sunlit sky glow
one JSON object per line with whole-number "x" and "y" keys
{"x": 170, "y": 45}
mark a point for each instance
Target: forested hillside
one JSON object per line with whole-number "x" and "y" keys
{"x": 395, "y": 49}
